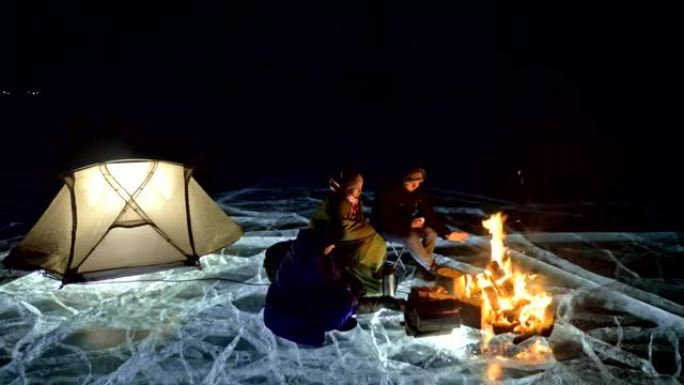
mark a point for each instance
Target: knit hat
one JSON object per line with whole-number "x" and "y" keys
{"x": 354, "y": 180}
{"x": 346, "y": 180}
{"x": 415, "y": 174}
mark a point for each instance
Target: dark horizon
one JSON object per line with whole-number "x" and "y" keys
{"x": 580, "y": 98}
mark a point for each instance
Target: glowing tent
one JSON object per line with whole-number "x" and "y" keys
{"x": 125, "y": 217}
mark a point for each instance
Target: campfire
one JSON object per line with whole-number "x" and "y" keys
{"x": 509, "y": 300}
{"x": 501, "y": 299}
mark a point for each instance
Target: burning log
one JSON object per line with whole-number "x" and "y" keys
{"x": 505, "y": 298}
{"x": 494, "y": 270}
{"x": 503, "y": 327}
{"x": 544, "y": 332}
{"x": 468, "y": 291}
{"x": 506, "y": 288}
{"x": 492, "y": 297}
{"x": 455, "y": 283}
{"x": 512, "y": 315}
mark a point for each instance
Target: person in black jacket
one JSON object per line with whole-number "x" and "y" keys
{"x": 403, "y": 213}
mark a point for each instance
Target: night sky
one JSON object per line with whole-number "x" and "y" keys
{"x": 584, "y": 99}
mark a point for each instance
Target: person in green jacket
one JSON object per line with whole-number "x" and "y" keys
{"x": 360, "y": 250}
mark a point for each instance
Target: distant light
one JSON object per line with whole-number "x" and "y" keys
{"x": 5, "y": 92}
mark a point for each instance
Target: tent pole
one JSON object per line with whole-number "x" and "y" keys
{"x": 194, "y": 259}
{"x": 70, "y": 181}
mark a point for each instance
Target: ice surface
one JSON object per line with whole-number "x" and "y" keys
{"x": 618, "y": 301}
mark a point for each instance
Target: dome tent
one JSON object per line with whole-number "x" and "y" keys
{"x": 124, "y": 217}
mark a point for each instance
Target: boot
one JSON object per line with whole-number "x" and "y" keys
{"x": 425, "y": 275}
{"x": 349, "y": 324}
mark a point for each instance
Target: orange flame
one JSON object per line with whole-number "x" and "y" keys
{"x": 506, "y": 298}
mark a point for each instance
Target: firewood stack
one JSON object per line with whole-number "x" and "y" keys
{"x": 494, "y": 290}
{"x": 432, "y": 311}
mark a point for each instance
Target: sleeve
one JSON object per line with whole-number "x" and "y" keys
{"x": 432, "y": 219}
{"x": 352, "y": 228}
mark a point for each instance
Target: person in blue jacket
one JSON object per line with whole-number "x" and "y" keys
{"x": 309, "y": 294}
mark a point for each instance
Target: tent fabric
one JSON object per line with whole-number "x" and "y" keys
{"x": 123, "y": 246}
{"x": 50, "y": 236}
{"x": 123, "y": 216}
{"x": 212, "y": 229}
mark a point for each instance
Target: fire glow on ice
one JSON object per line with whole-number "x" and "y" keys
{"x": 618, "y": 315}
